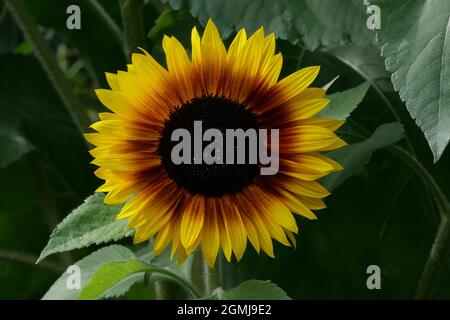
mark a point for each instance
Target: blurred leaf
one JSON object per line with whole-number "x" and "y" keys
{"x": 373, "y": 218}
{"x": 416, "y": 45}
{"x": 93, "y": 222}
{"x": 95, "y": 41}
{"x": 26, "y": 93}
{"x": 26, "y": 96}
{"x": 13, "y": 143}
{"x": 343, "y": 103}
{"x": 355, "y": 156}
{"x": 88, "y": 266}
{"x": 254, "y": 290}
{"x": 177, "y": 23}
{"x": 326, "y": 22}
{"x": 22, "y": 229}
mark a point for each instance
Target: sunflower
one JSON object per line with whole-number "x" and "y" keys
{"x": 212, "y": 206}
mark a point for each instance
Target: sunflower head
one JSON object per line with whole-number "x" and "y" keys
{"x": 213, "y": 204}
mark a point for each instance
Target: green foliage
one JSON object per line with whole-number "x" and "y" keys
{"x": 416, "y": 45}
{"x": 343, "y": 103}
{"x": 13, "y": 145}
{"x": 108, "y": 276}
{"x": 109, "y": 279}
{"x": 373, "y": 218}
{"x": 313, "y": 22}
{"x": 252, "y": 290}
{"x": 96, "y": 42}
{"x": 88, "y": 267}
{"x": 91, "y": 223}
{"x": 355, "y": 156}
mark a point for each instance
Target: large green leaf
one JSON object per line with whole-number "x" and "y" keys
{"x": 343, "y": 103}
{"x": 91, "y": 223}
{"x": 416, "y": 45}
{"x": 110, "y": 275}
{"x": 355, "y": 156}
{"x": 253, "y": 290}
{"x": 88, "y": 266}
{"x": 327, "y": 22}
{"x": 104, "y": 282}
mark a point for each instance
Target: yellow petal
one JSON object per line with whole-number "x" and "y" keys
{"x": 111, "y": 78}
{"x": 211, "y": 239}
{"x": 225, "y": 241}
{"x": 114, "y": 101}
{"x": 237, "y": 232}
{"x": 303, "y": 139}
{"x": 163, "y": 238}
{"x": 192, "y": 222}
{"x": 180, "y": 67}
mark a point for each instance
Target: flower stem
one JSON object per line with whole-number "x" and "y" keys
{"x": 210, "y": 278}
{"x": 107, "y": 20}
{"x": 163, "y": 290}
{"x": 436, "y": 262}
{"x": 191, "y": 289}
{"x": 133, "y": 24}
{"x": 427, "y": 178}
{"x": 440, "y": 250}
{"x": 49, "y": 63}
{"x": 29, "y": 260}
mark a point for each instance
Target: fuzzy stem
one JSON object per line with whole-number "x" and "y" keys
{"x": 29, "y": 260}
{"x": 49, "y": 63}
{"x": 440, "y": 250}
{"x": 436, "y": 262}
{"x": 133, "y": 24}
{"x": 427, "y": 178}
{"x": 46, "y": 199}
{"x": 107, "y": 20}
{"x": 210, "y": 278}
{"x": 163, "y": 290}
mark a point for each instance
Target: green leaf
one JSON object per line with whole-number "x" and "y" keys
{"x": 145, "y": 255}
{"x": 365, "y": 61}
{"x": 253, "y": 290}
{"x": 114, "y": 279}
{"x": 416, "y": 45}
{"x": 343, "y": 103}
{"x": 355, "y": 156}
{"x": 13, "y": 142}
{"x": 313, "y": 22}
{"x": 91, "y": 223}
{"x": 177, "y": 23}
{"x": 88, "y": 266}
{"x": 108, "y": 276}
